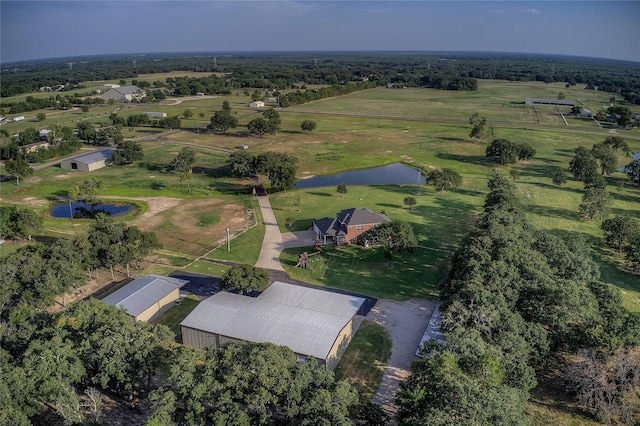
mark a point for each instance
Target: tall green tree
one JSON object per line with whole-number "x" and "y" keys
{"x": 583, "y": 164}
{"x": 478, "y": 131}
{"x": 617, "y": 143}
{"x": 88, "y": 190}
{"x": 244, "y": 278}
{"x": 240, "y": 163}
{"x": 258, "y": 126}
{"x": 606, "y": 156}
{"x": 221, "y": 121}
{"x": 18, "y": 167}
{"x": 618, "y": 230}
{"x": 184, "y": 161}
{"x": 444, "y": 179}
{"x": 127, "y": 152}
{"x": 226, "y": 106}
{"x": 595, "y": 202}
{"x": 502, "y": 151}
{"x": 273, "y": 120}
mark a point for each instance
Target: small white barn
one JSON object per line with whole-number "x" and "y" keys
{"x": 88, "y": 162}
{"x": 313, "y": 323}
{"x": 256, "y": 104}
{"x": 147, "y": 297}
{"x": 152, "y": 114}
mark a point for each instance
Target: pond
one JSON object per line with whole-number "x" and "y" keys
{"x": 82, "y": 210}
{"x": 396, "y": 174}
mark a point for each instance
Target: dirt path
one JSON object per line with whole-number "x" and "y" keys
{"x": 406, "y": 322}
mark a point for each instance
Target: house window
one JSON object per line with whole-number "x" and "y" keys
{"x": 359, "y": 228}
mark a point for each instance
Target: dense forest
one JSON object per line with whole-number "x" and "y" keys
{"x": 514, "y": 300}
{"x": 450, "y": 71}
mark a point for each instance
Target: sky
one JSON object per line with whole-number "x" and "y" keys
{"x": 51, "y": 29}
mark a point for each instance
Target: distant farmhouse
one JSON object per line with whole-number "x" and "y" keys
{"x": 147, "y": 297}
{"x": 549, "y": 102}
{"x": 347, "y": 226}
{"x": 313, "y": 323}
{"x": 124, "y": 94}
{"x": 88, "y": 162}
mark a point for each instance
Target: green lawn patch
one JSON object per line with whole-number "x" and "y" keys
{"x": 207, "y": 268}
{"x": 363, "y": 270}
{"x": 365, "y": 358}
{"x": 209, "y": 218}
{"x": 174, "y": 316}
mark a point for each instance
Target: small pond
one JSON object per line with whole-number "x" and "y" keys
{"x": 391, "y": 174}
{"x": 82, "y": 210}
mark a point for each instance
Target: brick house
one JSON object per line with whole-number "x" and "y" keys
{"x": 347, "y": 226}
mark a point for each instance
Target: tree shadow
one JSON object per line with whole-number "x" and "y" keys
{"x": 469, "y": 192}
{"x": 153, "y": 167}
{"x": 320, "y": 194}
{"x": 472, "y": 159}
{"x": 551, "y": 212}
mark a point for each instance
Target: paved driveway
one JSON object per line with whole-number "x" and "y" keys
{"x": 406, "y": 322}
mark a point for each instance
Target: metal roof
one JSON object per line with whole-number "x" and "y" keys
{"x": 127, "y": 90}
{"x": 94, "y": 157}
{"x": 306, "y": 320}
{"x": 142, "y": 293}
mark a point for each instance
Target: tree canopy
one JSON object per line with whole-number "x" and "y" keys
{"x": 244, "y": 278}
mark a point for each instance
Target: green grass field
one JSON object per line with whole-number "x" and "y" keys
{"x": 174, "y": 316}
{"x": 371, "y": 128}
{"x": 364, "y": 360}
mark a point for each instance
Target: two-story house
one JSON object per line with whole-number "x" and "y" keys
{"x": 347, "y": 226}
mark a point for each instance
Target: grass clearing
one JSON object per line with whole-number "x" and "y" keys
{"x": 207, "y": 268}
{"x": 364, "y": 360}
{"x": 175, "y": 315}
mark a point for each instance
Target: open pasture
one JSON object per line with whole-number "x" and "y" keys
{"x": 498, "y": 101}
{"x": 343, "y": 141}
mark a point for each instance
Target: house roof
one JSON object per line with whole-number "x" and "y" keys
{"x": 94, "y": 157}
{"x": 306, "y": 320}
{"x": 142, "y": 293}
{"x": 358, "y": 216}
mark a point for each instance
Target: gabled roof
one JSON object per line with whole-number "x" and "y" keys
{"x": 94, "y": 157}
{"x": 358, "y": 216}
{"x": 142, "y": 293}
{"x": 306, "y": 320}
{"x": 328, "y": 226}
{"x": 127, "y": 90}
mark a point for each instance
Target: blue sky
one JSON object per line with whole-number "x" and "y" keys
{"x": 50, "y": 29}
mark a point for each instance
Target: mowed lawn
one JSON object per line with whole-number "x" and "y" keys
{"x": 366, "y": 357}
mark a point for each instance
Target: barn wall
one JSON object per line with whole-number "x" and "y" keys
{"x": 339, "y": 346}
{"x": 198, "y": 338}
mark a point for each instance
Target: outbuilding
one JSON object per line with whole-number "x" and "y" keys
{"x": 152, "y": 114}
{"x": 256, "y": 104}
{"x": 147, "y": 297}
{"x": 88, "y": 162}
{"x": 312, "y": 322}
{"x": 124, "y": 94}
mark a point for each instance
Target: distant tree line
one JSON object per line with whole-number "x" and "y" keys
{"x": 451, "y": 71}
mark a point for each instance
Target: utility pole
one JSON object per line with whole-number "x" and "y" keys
{"x": 228, "y": 239}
